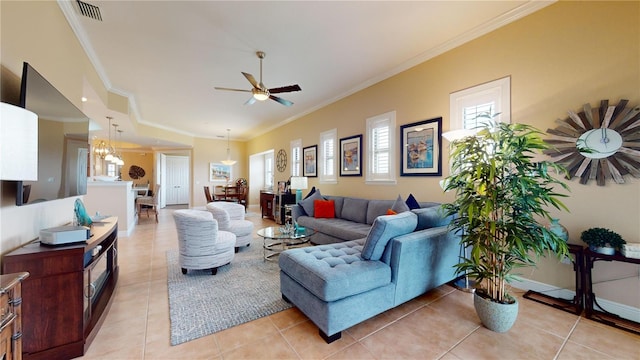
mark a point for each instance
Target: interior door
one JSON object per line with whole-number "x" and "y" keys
{"x": 177, "y": 180}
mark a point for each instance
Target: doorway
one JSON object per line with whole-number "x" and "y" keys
{"x": 260, "y": 174}
{"x": 176, "y": 180}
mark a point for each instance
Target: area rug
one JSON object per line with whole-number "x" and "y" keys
{"x": 201, "y": 304}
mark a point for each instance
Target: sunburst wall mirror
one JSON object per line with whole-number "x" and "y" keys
{"x": 601, "y": 143}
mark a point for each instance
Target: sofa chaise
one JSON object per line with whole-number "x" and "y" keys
{"x": 341, "y": 284}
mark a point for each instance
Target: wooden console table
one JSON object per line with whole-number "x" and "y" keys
{"x": 267, "y": 204}
{"x": 604, "y": 316}
{"x": 68, "y": 293}
{"x": 575, "y": 305}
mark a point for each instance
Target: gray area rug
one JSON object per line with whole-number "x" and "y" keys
{"x": 201, "y": 304}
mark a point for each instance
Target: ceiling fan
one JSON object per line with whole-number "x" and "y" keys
{"x": 261, "y": 92}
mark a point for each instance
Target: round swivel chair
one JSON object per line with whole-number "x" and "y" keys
{"x": 202, "y": 245}
{"x": 231, "y": 217}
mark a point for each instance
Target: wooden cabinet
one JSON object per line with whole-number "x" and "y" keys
{"x": 266, "y": 204}
{"x": 68, "y": 292}
{"x": 11, "y": 315}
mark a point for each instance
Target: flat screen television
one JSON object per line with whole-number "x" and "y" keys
{"x": 63, "y": 142}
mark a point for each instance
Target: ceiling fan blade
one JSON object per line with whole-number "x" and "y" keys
{"x": 252, "y": 80}
{"x": 229, "y": 89}
{"x": 251, "y": 101}
{"x": 281, "y": 100}
{"x": 284, "y": 89}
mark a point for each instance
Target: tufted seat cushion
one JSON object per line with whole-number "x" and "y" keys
{"x": 334, "y": 271}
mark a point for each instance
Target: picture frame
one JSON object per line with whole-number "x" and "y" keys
{"x": 282, "y": 187}
{"x": 310, "y": 164}
{"x": 351, "y": 156}
{"x": 219, "y": 172}
{"x": 421, "y": 148}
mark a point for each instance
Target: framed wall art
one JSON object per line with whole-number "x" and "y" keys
{"x": 219, "y": 172}
{"x": 351, "y": 156}
{"x": 421, "y": 148}
{"x": 310, "y": 156}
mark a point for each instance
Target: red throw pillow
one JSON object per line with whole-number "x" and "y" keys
{"x": 324, "y": 209}
{"x": 391, "y": 212}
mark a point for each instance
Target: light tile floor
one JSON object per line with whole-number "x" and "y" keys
{"x": 441, "y": 324}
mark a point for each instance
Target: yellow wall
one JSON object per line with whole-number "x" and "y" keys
{"x": 559, "y": 58}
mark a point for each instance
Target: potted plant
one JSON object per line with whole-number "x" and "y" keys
{"x": 603, "y": 241}
{"x": 501, "y": 196}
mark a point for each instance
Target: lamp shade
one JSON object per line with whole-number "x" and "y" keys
{"x": 299, "y": 182}
{"x": 18, "y": 143}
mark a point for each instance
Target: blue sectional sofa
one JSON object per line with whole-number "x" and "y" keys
{"x": 353, "y": 217}
{"x": 341, "y": 284}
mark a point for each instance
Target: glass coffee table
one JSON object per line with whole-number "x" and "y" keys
{"x": 276, "y": 240}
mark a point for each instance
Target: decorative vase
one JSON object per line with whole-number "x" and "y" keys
{"x": 495, "y": 316}
{"x": 605, "y": 250}
{"x": 558, "y": 229}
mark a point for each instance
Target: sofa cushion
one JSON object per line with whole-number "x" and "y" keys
{"x": 412, "y": 203}
{"x": 339, "y": 200}
{"x": 338, "y": 228}
{"x": 355, "y": 209}
{"x": 324, "y": 209}
{"x": 377, "y": 208}
{"x": 384, "y": 228}
{"x": 399, "y": 205}
{"x": 431, "y": 217}
{"x": 334, "y": 271}
{"x": 307, "y": 204}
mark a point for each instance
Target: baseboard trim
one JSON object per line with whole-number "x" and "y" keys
{"x": 622, "y": 310}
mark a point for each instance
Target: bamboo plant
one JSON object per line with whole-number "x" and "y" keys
{"x": 501, "y": 195}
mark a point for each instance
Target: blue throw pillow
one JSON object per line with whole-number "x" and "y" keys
{"x": 313, "y": 189}
{"x": 399, "y": 206}
{"x": 307, "y": 204}
{"x": 412, "y": 203}
{"x": 385, "y": 228}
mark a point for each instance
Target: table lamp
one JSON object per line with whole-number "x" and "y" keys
{"x": 299, "y": 183}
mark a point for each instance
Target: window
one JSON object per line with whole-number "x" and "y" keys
{"x": 111, "y": 169}
{"x": 493, "y": 97}
{"x": 381, "y": 137}
{"x": 268, "y": 171}
{"x": 327, "y": 157}
{"x": 296, "y": 157}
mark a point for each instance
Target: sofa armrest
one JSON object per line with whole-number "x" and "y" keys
{"x": 422, "y": 260}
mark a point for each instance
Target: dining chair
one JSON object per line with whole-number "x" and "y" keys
{"x": 148, "y": 202}
{"x": 207, "y": 194}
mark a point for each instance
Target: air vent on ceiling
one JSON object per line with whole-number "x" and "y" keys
{"x": 89, "y": 10}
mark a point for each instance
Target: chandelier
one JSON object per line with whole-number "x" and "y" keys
{"x": 101, "y": 149}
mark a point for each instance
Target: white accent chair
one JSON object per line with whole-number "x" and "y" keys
{"x": 202, "y": 245}
{"x": 230, "y": 217}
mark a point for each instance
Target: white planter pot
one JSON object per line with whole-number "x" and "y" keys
{"x": 495, "y": 316}
{"x": 606, "y": 250}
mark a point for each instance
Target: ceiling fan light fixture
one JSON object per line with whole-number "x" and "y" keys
{"x": 260, "y": 94}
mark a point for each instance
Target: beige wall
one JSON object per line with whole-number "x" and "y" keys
{"x": 559, "y": 58}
